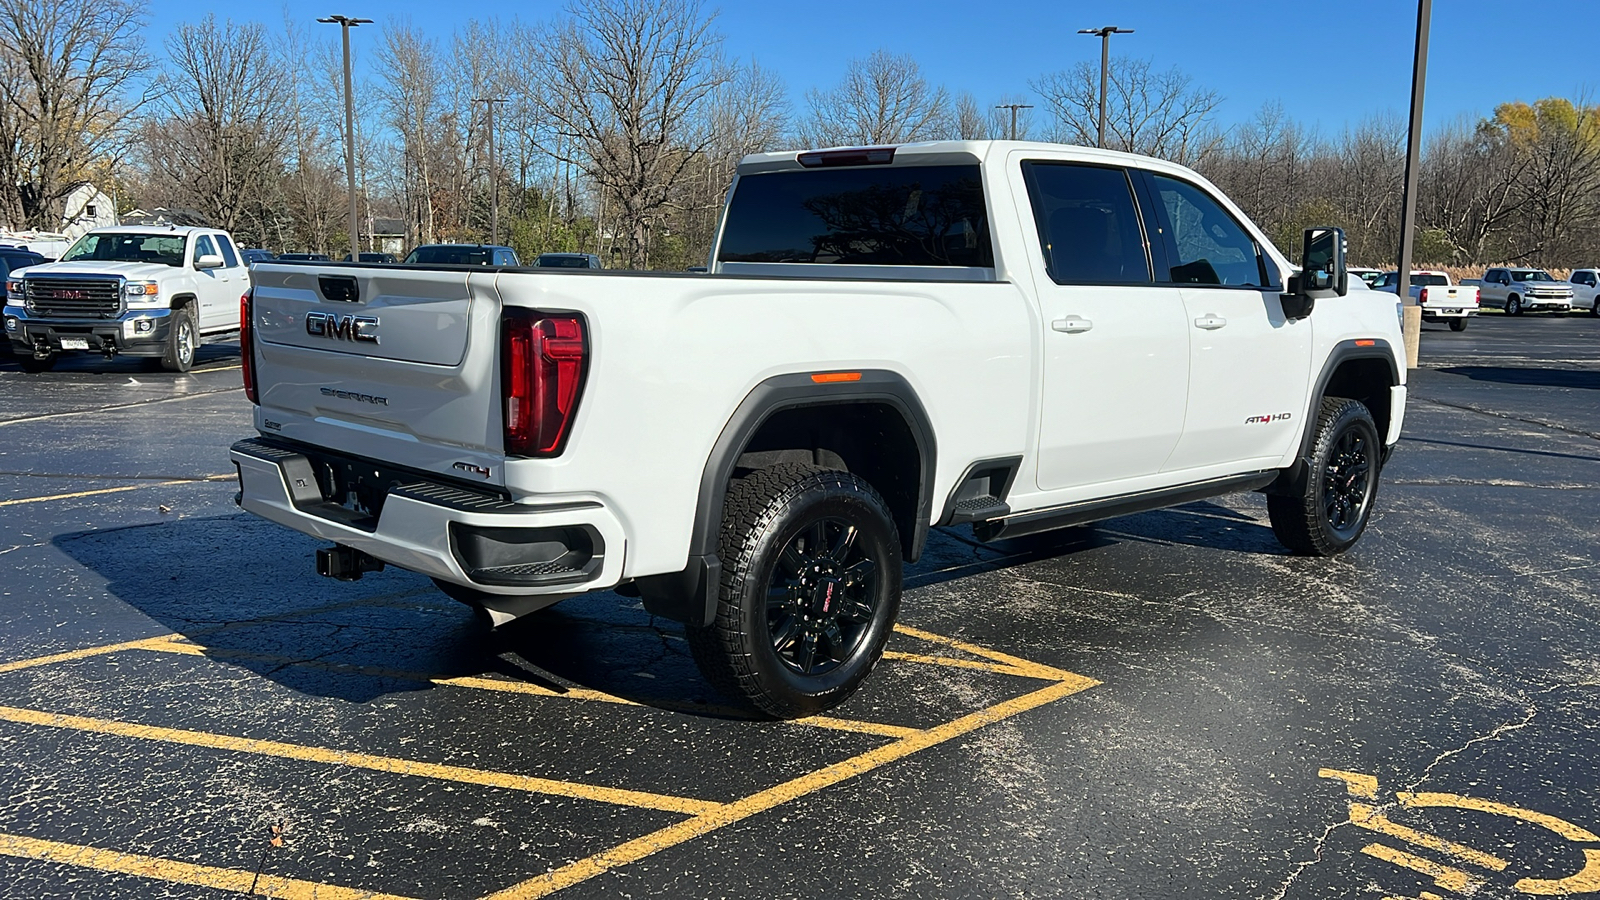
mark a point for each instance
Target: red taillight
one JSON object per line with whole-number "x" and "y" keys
{"x": 541, "y": 371}
{"x": 247, "y": 349}
{"x": 1422, "y": 296}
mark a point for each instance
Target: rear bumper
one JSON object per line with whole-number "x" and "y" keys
{"x": 551, "y": 547}
{"x": 1448, "y": 312}
{"x": 141, "y": 332}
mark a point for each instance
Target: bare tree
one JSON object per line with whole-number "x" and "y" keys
{"x": 883, "y": 100}
{"x": 413, "y": 108}
{"x": 68, "y": 70}
{"x": 972, "y": 122}
{"x": 624, "y": 83}
{"x": 216, "y": 143}
{"x": 1159, "y": 114}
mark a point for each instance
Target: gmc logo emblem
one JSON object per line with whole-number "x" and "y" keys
{"x": 343, "y": 328}
{"x": 69, "y": 295}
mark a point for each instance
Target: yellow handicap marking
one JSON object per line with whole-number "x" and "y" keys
{"x": 1362, "y": 787}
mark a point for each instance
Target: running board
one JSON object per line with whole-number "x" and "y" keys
{"x": 1084, "y": 512}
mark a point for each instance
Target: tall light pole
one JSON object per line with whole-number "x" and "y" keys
{"x": 1105, "y": 65}
{"x": 1410, "y": 312}
{"x": 346, "y": 23}
{"x": 494, "y": 177}
{"x": 1014, "y": 107}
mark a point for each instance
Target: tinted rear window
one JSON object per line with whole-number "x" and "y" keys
{"x": 451, "y": 256}
{"x": 905, "y": 216}
{"x": 562, "y": 261}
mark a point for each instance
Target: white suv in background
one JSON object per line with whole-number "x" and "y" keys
{"x": 1585, "y": 285}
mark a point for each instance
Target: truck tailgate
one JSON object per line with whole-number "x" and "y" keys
{"x": 400, "y": 369}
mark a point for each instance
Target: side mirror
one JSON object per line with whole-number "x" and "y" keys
{"x": 208, "y": 261}
{"x": 1322, "y": 275}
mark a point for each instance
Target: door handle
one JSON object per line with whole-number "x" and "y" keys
{"x": 1210, "y": 322}
{"x": 1072, "y": 324}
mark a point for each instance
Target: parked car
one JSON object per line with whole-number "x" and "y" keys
{"x": 379, "y": 258}
{"x": 1585, "y": 288}
{"x": 138, "y": 291}
{"x": 462, "y": 255}
{"x": 891, "y": 339}
{"x": 567, "y": 261}
{"x": 303, "y": 257}
{"x": 1370, "y": 276}
{"x": 1519, "y": 290}
{"x": 255, "y": 256}
{"x": 14, "y": 258}
{"x": 1439, "y": 300}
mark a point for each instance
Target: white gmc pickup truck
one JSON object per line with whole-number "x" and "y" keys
{"x": 1015, "y": 336}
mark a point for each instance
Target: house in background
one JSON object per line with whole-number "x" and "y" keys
{"x": 161, "y": 215}
{"x": 388, "y": 235}
{"x": 87, "y": 208}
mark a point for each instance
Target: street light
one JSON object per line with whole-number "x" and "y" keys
{"x": 346, "y": 23}
{"x": 1014, "y": 107}
{"x": 1410, "y": 312}
{"x": 1105, "y": 64}
{"x": 494, "y": 179}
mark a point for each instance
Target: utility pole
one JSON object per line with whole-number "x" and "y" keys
{"x": 346, "y": 23}
{"x": 1105, "y": 66}
{"x": 494, "y": 179}
{"x": 1014, "y": 107}
{"x": 1410, "y": 312}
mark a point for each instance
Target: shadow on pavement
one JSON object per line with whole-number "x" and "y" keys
{"x": 1559, "y": 378}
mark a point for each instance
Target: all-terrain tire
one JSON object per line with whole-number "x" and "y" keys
{"x": 811, "y": 578}
{"x": 1329, "y": 516}
{"x": 183, "y": 338}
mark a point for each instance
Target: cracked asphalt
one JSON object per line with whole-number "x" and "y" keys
{"x": 1418, "y": 717}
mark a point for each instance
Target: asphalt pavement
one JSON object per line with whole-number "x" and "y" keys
{"x": 1166, "y": 705}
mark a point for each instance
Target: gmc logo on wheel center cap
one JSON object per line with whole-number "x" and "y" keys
{"x": 347, "y": 328}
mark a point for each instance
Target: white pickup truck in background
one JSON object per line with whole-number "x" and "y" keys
{"x": 1522, "y": 290}
{"x": 1009, "y": 336}
{"x": 1586, "y": 290}
{"x": 1439, "y": 299}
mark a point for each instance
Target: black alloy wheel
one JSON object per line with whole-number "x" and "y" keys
{"x": 822, "y": 598}
{"x": 809, "y": 591}
{"x": 1334, "y": 503}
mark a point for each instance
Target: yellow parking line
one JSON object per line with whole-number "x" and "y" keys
{"x": 477, "y": 682}
{"x": 1013, "y": 664}
{"x": 729, "y": 813}
{"x": 1447, "y": 877}
{"x": 142, "y": 644}
{"x": 115, "y": 490}
{"x": 615, "y": 796}
{"x": 234, "y": 881}
{"x": 955, "y": 663}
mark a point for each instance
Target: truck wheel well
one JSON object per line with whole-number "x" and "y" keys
{"x": 871, "y": 440}
{"x": 182, "y": 300}
{"x": 1366, "y": 380}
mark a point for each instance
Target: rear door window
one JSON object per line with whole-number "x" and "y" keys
{"x": 1088, "y": 224}
{"x": 1207, "y": 244}
{"x": 884, "y": 216}
{"x": 228, "y": 256}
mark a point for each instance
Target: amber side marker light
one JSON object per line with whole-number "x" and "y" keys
{"x": 1366, "y": 343}
{"x": 835, "y": 377}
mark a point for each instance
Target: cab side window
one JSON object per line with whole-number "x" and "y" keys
{"x": 1207, "y": 245}
{"x": 228, "y": 256}
{"x": 204, "y": 247}
{"x": 1088, "y": 224}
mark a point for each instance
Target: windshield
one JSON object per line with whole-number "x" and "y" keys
{"x": 563, "y": 260}
{"x": 1531, "y": 276}
{"x": 464, "y": 255}
{"x": 143, "y": 248}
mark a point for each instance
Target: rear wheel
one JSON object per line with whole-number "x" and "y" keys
{"x": 1458, "y": 324}
{"x": 1513, "y": 305}
{"x": 809, "y": 593}
{"x": 181, "y": 341}
{"x": 1328, "y": 517}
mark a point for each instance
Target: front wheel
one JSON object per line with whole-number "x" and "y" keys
{"x": 1594, "y": 308}
{"x": 34, "y": 365}
{"x": 1328, "y": 517}
{"x": 1458, "y": 324}
{"x": 1514, "y": 306}
{"x": 809, "y": 593}
{"x": 181, "y": 341}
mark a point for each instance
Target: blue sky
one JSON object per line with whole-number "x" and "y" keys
{"x": 1329, "y": 63}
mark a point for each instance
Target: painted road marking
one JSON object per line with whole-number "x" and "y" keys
{"x": 117, "y": 490}
{"x": 137, "y": 404}
{"x": 438, "y": 771}
{"x": 235, "y": 881}
{"x": 1371, "y": 818}
{"x": 703, "y": 817}
{"x": 699, "y": 826}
